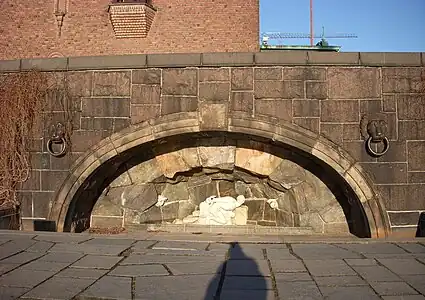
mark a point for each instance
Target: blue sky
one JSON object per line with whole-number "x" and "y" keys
{"x": 381, "y": 25}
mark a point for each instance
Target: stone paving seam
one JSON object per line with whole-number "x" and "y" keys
{"x": 340, "y": 247}
{"x": 398, "y": 246}
{"x": 420, "y": 261}
{"x": 22, "y": 264}
{"x": 291, "y": 251}
{"x": 368, "y": 283}
{"x": 168, "y": 269}
{"x": 272, "y": 276}
{"x": 133, "y": 288}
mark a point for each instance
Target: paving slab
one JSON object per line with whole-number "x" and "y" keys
{"x": 174, "y": 245}
{"x": 109, "y": 241}
{"x": 293, "y": 277}
{"x": 108, "y": 287}
{"x": 21, "y": 258}
{"x": 58, "y": 288}
{"x": 328, "y": 267}
{"x": 89, "y": 249}
{"x": 14, "y": 247}
{"x": 196, "y": 287}
{"x": 139, "y": 270}
{"x": 81, "y": 273}
{"x": 361, "y": 261}
{"x": 322, "y": 251}
{"x": 349, "y": 292}
{"x": 247, "y": 283}
{"x": 61, "y": 257}
{"x": 97, "y": 262}
{"x": 195, "y": 269}
{"x": 298, "y": 290}
{"x": 287, "y": 266}
{"x": 384, "y": 248}
{"x": 7, "y": 267}
{"x": 24, "y": 278}
{"x": 44, "y": 266}
{"x": 62, "y": 238}
{"x": 404, "y": 297}
{"x": 139, "y": 259}
{"x": 247, "y": 295}
{"x": 247, "y": 268}
{"x": 376, "y": 273}
{"x": 11, "y": 293}
{"x": 246, "y": 253}
{"x": 416, "y": 281}
{"x": 142, "y": 245}
{"x": 339, "y": 280}
{"x": 279, "y": 254}
{"x": 392, "y": 288}
{"x": 404, "y": 266}
{"x": 412, "y": 247}
{"x": 178, "y": 252}
{"x": 40, "y": 247}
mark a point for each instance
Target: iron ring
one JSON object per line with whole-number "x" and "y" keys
{"x": 61, "y": 141}
{"x": 378, "y": 154}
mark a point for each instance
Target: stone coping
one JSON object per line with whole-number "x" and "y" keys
{"x": 179, "y": 60}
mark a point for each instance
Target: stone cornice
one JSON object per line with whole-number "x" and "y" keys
{"x": 258, "y": 59}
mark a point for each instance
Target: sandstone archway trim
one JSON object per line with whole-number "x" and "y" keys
{"x": 183, "y": 123}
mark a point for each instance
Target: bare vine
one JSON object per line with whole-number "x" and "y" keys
{"x": 22, "y": 100}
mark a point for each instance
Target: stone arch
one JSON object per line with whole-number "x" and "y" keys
{"x": 120, "y": 144}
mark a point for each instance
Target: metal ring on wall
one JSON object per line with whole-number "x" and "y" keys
{"x": 374, "y": 153}
{"x": 62, "y": 141}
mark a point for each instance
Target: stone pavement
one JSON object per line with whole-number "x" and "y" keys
{"x": 188, "y": 266}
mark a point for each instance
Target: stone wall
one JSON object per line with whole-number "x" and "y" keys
{"x": 30, "y": 29}
{"x": 330, "y": 94}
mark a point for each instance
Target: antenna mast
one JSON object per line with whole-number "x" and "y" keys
{"x": 311, "y": 23}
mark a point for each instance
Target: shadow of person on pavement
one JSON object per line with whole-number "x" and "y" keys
{"x": 238, "y": 277}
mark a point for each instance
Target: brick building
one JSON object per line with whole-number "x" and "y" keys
{"x": 56, "y": 28}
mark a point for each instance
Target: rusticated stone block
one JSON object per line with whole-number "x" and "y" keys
{"x": 111, "y": 83}
{"x": 145, "y": 94}
{"x": 311, "y": 124}
{"x": 411, "y": 130}
{"x": 403, "y": 196}
{"x": 371, "y": 108}
{"x": 389, "y": 103}
{"x": 106, "y": 107}
{"x": 334, "y": 132}
{"x": 416, "y": 177}
{"x": 242, "y": 101}
{"x": 351, "y": 132}
{"x": 213, "y": 116}
{"x": 293, "y": 89}
{"x": 242, "y": 79}
{"x": 214, "y": 91}
{"x": 396, "y": 152}
{"x": 268, "y": 89}
{"x": 357, "y": 150}
{"x": 146, "y": 76}
{"x": 83, "y": 140}
{"x": 411, "y": 107}
{"x": 304, "y": 73}
{"x": 40, "y": 160}
{"x": 281, "y": 109}
{"x": 140, "y": 113}
{"x": 214, "y": 74}
{"x": 306, "y": 108}
{"x": 384, "y": 173}
{"x": 174, "y": 104}
{"x": 80, "y": 83}
{"x": 180, "y": 82}
{"x": 97, "y": 123}
{"x": 416, "y": 155}
{"x": 41, "y": 201}
{"x": 51, "y": 180}
{"x": 354, "y": 83}
{"x": 120, "y": 124}
{"x": 402, "y": 80}
{"x": 64, "y": 163}
{"x": 340, "y": 111}
{"x": 316, "y": 90}
{"x": 268, "y": 73}
{"x": 403, "y": 218}
{"x": 33, "y": 181}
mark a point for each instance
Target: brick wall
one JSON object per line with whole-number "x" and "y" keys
{"x": 328, "y": 94}
{"x": 29, "y": 28}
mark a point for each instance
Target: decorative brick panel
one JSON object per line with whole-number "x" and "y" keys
{"x": 131, "y": 20}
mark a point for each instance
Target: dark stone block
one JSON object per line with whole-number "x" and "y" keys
{"x": 41, "y": 203}
{"x": 411, "y": 130}
{"x": 384, "y": 173}
{"x": 200, "y": 188}
{"x": 316, "y": 90}
{"x": 33, "y": 181}
{"x": 145, "y": 94}
{"x": 152, "y": 216}
{"x": 340, "y": 111}
{"x": 306, "y": 108}
{"x": 170, "y": 212}
{"x": 416, "y": 155}
{"x": 333, "y": 132}
{"x": 141, "y": 113}
{"x": 255, "y": 209}
{"x": 180, "y": 82}
{"x": 266, "y": 223}
{"x": 97, "y": 123}
{"x": 269, "y": 213}
{"x": 293, "y": 89}
{"x": 268, "y": 73}
{"x": 146, "y": 76}
{"x": 242, "y": 101}
{"x": 121, "y": 123}
{"x": 214, "y": 74}
{"x": 51, "y": 180}
{"x": 304, "y": 73}
{"x": 403, "y": 218}
{"x": 311, "y": 124}
{"x": 281, "y": 109}
{"x": 284, "y": 218}
{"x": 40, "y": 160}
{"x": 44, "y": 225}
{"x": 227, "y": 188}
{"x": 112, "y": 83}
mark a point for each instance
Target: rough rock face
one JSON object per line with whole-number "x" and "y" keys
{"x": 186, "y": 177}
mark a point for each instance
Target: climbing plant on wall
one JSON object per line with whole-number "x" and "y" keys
{"x": 22, "y": 97}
